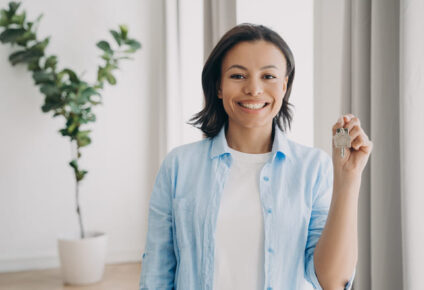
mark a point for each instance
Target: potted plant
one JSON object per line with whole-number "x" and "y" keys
{"x": 69, "y": 96}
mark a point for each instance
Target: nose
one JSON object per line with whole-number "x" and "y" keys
{"x": 253, "y": 87}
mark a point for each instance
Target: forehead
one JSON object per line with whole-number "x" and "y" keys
{"x": 255, "y": 54}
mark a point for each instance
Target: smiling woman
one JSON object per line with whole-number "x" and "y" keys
{"x": 244, "y": 55}
{"x": 245, "y": 207}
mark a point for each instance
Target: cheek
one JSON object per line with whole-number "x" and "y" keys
{"x": 276, "y": 92}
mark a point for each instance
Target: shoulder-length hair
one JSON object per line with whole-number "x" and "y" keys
{"x": 213, "y": 116}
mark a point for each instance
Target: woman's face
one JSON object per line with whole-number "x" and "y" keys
{"x": 253, "y": 73}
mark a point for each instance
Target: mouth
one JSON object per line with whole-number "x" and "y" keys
{"x": 252, "y": 106}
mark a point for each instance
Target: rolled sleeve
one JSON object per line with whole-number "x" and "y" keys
{"x": 159, "y": 260}
{"x": 322, "y": 194}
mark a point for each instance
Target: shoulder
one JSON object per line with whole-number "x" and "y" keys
{"x": 310, "y": 156}
{"x": 188, "y": 152}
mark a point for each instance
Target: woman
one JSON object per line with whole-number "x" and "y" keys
{"x": 247, "y": 208}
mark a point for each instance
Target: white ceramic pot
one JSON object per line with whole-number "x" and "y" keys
{"x": 82, "y": 260}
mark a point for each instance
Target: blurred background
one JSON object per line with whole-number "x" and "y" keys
{"x": 361, "y": 56}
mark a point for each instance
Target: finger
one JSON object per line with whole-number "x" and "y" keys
{"x": 358, "y": 141}
{"x": 354, "y": 121}
{"x": 362, "y": 143}
{"x": 338, "y": 124}
{"x": 354, "y": 133}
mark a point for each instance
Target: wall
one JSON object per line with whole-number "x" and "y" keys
{"x": 293, "y": 20}
{"x": 37, "y": 200}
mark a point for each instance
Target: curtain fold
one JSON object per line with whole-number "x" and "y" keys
{"x": 412, "y": 139}
{"x": 170, "y": 100}
{"x": 386, "y": 231}
{"x": 219, "y": 16}
{"x": 379, "y": 76}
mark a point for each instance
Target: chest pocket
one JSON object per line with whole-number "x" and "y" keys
{"x": 183, "y": 213}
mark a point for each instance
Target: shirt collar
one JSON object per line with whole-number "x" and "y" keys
{"x": 280, "y": 146}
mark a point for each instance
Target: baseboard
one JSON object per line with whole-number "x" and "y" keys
{"x": 50, "y": 262}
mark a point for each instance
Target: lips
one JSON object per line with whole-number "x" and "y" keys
{"x": 252, "y": 109}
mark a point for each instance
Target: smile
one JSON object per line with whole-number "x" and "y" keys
{"x": 252, "y": 107}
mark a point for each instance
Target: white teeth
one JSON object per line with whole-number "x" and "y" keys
{"x": 253, "y": 106}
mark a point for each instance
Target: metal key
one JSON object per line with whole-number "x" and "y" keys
{"x": 342, "y": 139}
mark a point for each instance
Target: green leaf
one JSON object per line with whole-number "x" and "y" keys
{"x": 87, "y": 93}
{"x": 110, "y": 78}
{"x": 27, "y": 36}
{"x": 34, "y": 65}
{"x": 83, "y": 139}
{"x": 101, "y": 73}
{"x": 134, "y": 44}
{"x": 4, "y": 18}
{"x": 51, "y": 62}
{"x": 73, "y": 126}
{"x": 80, "y": 174}
{"x": 87, "y": 116}
{"x": 116, "y": 36}
{"x": 11, "y": 34}
{"x": 53, "y": 102}
{"x": 70, "y": 73}
{"x": 75, "y": 108}
{"x": 64, "y": 132}
{"x": 13, "y": 6}
{"x": 25, "y": 56}
{"x": 43, "y": 77}
{"x": 18, "y": 19}
{"x": 50, "y": 90}
{"x": 104, "y": 45}
{"x": 124, "y": 31}
{"x": 74, "y": 164}
{"x": 41, "y": 45}
{"x": 106, "y": 57}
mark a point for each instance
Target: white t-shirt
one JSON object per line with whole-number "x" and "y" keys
{"x": 239, "y": 235}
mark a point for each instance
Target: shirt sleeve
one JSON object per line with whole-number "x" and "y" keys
{"x": 158, "y": 260}
{"x": 322, "y": 193}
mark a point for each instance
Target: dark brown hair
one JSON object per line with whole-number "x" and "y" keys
{"x": 213, "y": 116}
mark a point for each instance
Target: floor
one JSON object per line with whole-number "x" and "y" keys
{"x": 116, "y": 277}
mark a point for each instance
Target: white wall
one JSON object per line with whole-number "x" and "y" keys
{"x": 37, "y": 200}
{"x": 293, "y": 20}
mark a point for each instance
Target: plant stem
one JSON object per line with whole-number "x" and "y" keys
{"x": 79, "y": 211}
{"x": 77, "y": 196}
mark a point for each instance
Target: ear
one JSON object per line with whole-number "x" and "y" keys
{"x": 219, "y": 93}
{"x": 286, "y": 79}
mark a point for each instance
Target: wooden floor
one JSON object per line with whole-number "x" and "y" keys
{"x": 116, "y": 277}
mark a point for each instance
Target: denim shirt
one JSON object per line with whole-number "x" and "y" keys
{"x": 295, "y": 187}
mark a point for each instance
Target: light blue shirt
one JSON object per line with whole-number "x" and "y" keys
{"x": 296, "y": 186}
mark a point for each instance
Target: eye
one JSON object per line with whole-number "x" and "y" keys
{"x": 268, "y": 76}
{"x": 236, "y": 76}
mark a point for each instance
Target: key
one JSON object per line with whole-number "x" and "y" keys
{"x": 342, "y": 139}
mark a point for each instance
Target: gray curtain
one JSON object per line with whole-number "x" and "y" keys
{"x": 412, "y": 139}
{"x": 369, "y": 60}
{"x": 219, "y": 16}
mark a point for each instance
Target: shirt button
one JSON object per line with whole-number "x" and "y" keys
{"x": 269, "y": 210}
{"x": 269, "y": 288}
{"x": 270, "y": 250}
{"x": 266, "y": 178}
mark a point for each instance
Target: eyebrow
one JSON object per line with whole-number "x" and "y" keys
{"x": 243, "y": 68}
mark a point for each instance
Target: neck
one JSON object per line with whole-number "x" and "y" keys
{"x": 250, "y": 140}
